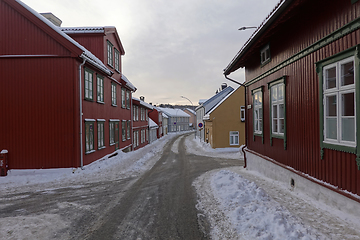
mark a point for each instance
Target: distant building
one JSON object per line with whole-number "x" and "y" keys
{"x": 192, "y": 120}
{"x": 178, "y": 120}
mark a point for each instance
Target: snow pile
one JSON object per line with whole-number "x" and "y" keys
{"x": 252, "y": 212}
{"x": 198, "y": 147}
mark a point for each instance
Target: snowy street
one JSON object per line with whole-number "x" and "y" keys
{"x": 174, "y": 188}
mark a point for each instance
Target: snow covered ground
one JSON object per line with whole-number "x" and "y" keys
{"x": 239, "y": 204}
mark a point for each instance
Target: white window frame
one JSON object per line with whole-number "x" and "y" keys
{"x": 265, "y": 54}
{"x": 88, "y": 84}
{"x": 110, "y": 57}
{"x": 276, "y": 103}
{"x": 234, "y": 138}
{"x": 258, "y": 112}
{"x": 100, "y": 88}
{"x": 117, "y": 59}
{"x": 338, "y": 92}
{"x": 123, "y": 98}
{"x": 101, "y": 133}
{"x": 113, "y": 94}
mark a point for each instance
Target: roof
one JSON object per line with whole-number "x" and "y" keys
{"x": 190, "y": 110}
{"x": 219, "y": 103}
{"x": 214, "y": 100}
{"x": 237, "y": 62}
{"x": 174, "y": 112}
{"x": 128, "y": 83}
{"x": 152, "y": 124}
{"x": 147, "y": 105}
{"x": 86, "y": 54}
{"x": 90, "y": 30}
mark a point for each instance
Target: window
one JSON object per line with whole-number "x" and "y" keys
{"x": 265, "y": 55}
{"x": 117, "y": 59}
{"x": 123, "y": 130}
{"x": 242, "y": 113}
{"x": 234, "y": 138}
{"x": 112, "y": 133}
{"x": 113, "y": 94}
{"x": 136, "y": 139}
{"x": 89, "y": 136}
{"x": 127, "y": 99}
{"x": 136, "y": 113}
{"x": 258, "y": 111}
{"x": 277, "y": 109}
{"x": 100, "y": 128}
{"x": 339, "y": 103}
{"x": 123, "y": 99}
{"x": 88, "y": 80}
{"x": 100, "y": 89}
{"x": 143, "y": 136}
{"x": 128, "y": 129}
{"x": 109, "y": 53}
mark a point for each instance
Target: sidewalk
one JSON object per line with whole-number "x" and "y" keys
{"x": 331, "y": 223}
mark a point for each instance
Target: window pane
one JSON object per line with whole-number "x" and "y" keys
{"x": 348, "y": 129}
{"x": 281, "y": 92}
{"x": 282, "y": 126}
{"x": 260, "y": 125}
{"x": 331, "y": 106}
{"x": 231, "y": 140}
{"x": 260, "y": 113}
{"x": 236, "y": 140}
{"x": 274, "y": 93}
{"x": 331, "y": 128}
{"x": 330, "y": 77}
{"x": 347, "y": 104}
{"x": 281, "y": 110}
{"x": 347, "y": 73}
{"x": 275, "y": 126}
{"x": 274, "y": 113}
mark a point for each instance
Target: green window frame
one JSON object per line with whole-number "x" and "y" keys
{"x": 112, "y": 132}
{"x": 117, "y": 59}
{"x": 336, "y": 88}
{"x": 100, "y": 88}
{"x": 88, "y": 84}
{"x": 277, "y": 103}
{"x": 258, "y": 113}
{"x": 101, "y": 133}
{"x": 89, "y": 136}
{"x": 113, "y": 94}
{"x": 110, "y": 53}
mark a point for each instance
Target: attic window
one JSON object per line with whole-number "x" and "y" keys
{"x": 265, "y": 55}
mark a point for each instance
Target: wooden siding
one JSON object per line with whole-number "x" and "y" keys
{"x": 38, "y": 112}
{"x": 302, "y": 93}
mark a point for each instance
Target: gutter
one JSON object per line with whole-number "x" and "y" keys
{"x": 246, "y": 138}
{"x": 80, "y": 112}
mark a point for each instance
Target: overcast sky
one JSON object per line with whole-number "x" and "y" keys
{"x": 172, "y": 48}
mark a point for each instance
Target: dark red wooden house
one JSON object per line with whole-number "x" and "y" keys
{"x": 156, "y": 116}
{"x": 63, "y": 96}
{"x": 302, "y": 94}
{"x": 140, "y": 122}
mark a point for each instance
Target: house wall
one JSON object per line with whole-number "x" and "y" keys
{"x": 302, "y": 150}
{"x": 226, "y": 118}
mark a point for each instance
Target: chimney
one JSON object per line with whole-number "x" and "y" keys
{"x": 223, "y": 86}
{"x": 52, "y": 18}
{"x": 142, "y": 98}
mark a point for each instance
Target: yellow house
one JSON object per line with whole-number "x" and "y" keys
{"x": 225, "y": 123}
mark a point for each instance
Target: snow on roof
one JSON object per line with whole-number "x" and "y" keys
{"x": 164, "y": 115}
{"x": 128, "y": 83}
{"x": 211, "y": 102}
{"x": 86, "y": 53}
{"x": 219, "y": 103}
{"x": 174, "y": 112}
{"x": 190, "y": 110}
{"x": 152, "y": 124}
{"x": 72, "y": 30}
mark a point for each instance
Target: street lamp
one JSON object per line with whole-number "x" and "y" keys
{"x": 192, "y": 109}
{"x": 244, "y": 28}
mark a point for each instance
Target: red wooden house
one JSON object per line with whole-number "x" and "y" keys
{"x": 156, "y": 116}
{"x": 302, "y": 95}
{"x": 140, "y": 122}
{"x": 62, "y": 100}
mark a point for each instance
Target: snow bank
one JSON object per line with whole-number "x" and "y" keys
{"x": 253, "y": 213}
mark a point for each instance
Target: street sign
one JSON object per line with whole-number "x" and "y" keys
{"x": 200, "y": 125}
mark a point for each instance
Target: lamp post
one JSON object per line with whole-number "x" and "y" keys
{"x": 244, "y": 28}
{"x": 193, "y": 109}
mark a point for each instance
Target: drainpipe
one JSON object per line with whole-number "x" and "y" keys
{"x": 246, "y": 138}
{"x": 80, "y": 104}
